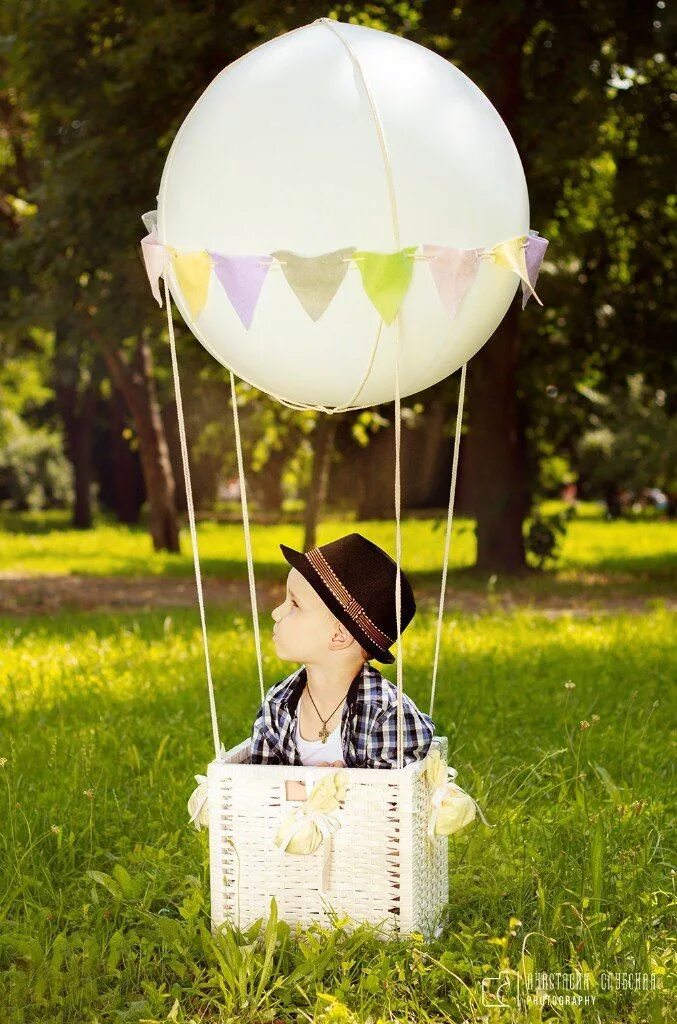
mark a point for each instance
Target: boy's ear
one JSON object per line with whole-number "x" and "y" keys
{"x": 341, "y": 638}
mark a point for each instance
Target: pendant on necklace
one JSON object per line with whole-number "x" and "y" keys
{"x": 323, "y": 733}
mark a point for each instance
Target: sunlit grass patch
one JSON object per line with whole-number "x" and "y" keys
{"x": 561, "y": 730}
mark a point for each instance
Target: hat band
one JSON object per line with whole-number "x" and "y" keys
{"x": 349, "y": 603}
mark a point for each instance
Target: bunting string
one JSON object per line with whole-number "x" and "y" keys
{"x": 315, "y": 280}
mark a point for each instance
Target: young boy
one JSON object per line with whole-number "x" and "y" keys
{"x": 337, "y": 709}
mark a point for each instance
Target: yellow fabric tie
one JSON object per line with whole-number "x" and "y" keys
{"x": 304, "y": 829}
{"x": 198, "y": 804}
{"x": 453, "y": 808}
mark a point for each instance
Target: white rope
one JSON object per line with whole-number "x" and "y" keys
{"x": 447, "y": 540}
{"x": 191, "y": 517}
{"x": 379, "y": 127}
{"x": 398, "y": 530}
{"x": 398, "y": 553}
{"x": 247, "y": 536}
{"x": 331, "y": 409}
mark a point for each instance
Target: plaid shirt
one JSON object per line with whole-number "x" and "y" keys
{"x": 368, "y": 723}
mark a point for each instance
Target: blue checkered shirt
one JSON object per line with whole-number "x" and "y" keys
{"x": 368, "y": 723}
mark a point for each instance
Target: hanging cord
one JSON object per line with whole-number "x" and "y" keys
{"x": 247, "y": 536}
{"x": 302, "y": 406}
{"x": 398, "y": 551}
{"x": 447, "y": 541}
{"x": 330, "y": 410}
{"x": 379, "y": 127}
{"x": 191, "y": 517}
{"x": 398, "y": 531}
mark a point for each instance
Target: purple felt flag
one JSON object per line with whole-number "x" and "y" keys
{"x": 533, "y": 255}
{"x": 242, "y": 278}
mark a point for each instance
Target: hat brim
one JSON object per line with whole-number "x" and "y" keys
{"x": 299, "y": 562}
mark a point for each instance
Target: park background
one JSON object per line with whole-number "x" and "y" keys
{"x": 558, "y": 644}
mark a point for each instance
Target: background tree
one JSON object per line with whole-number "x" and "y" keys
{"x": 87, "y": 121}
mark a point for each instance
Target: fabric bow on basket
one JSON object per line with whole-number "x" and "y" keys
{"x": 314, "y": 820}
{"x": 198, "y": 804}
{"x": 452, "y": 808}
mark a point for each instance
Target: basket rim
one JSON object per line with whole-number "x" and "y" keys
{"x": 291, "y": 771}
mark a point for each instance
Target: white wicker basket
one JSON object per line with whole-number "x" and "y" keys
{"x": 380, "y": 866}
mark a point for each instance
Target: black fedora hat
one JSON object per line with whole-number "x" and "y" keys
{"x": 356, "y": 579}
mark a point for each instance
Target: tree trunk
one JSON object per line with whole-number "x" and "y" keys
{"x": 496, "y": 442}
{"x": 265, "y": 487}
{"x": 136, "y": 382}
{"x": 495, "y": 451}
{"x": 426, "y": 459}
{"x": 77, "y": 408}
{"x": 125, "y": 496}
{"x": 325, "y": 431}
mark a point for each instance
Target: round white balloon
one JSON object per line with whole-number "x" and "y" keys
{"x": 282, "y": 151}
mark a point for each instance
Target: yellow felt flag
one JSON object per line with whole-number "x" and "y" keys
{"x": 386, "y": 277}
{"x": 512, "y": 256}
{"x": 193, "y": 272}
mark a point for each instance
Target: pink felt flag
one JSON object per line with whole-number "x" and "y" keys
{"x": 534, "y": 254}
{"x": 453, "y": 271}
{"x": 242, "y": 278}
{"x": 154, "y": 260}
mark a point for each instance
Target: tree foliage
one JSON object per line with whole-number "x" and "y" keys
{"x": 91, "y": 96}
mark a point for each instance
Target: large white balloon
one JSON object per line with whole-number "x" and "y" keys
{"x": 282, "y": 151}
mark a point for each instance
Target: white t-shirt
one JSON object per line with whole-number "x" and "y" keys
{"x": 315, "y": 751}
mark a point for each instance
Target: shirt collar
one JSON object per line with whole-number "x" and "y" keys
{"x": 354, "y": 696}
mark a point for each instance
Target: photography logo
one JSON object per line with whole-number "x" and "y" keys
{"x": 495, "y": 990}
{"x": 561, "y": 988}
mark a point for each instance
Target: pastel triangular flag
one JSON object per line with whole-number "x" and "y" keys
{"x": 386, "y": 277}
{"x": 150, "y": 221}
{"x": 453, "y": 271}
{"x": 511, "y": 255}
{"x": 315, "y": 279}
{"x": 154, "y": 261}
{"x": 242, "y": 278}
{"x": 535, "y": 252}
{"x": 193, "y": 270}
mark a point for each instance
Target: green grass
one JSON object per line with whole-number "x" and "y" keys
{"x": 598, "y": 557}
{"x": 104, "y": 884}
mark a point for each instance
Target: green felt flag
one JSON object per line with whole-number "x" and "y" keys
{"x": 386, "y": 277}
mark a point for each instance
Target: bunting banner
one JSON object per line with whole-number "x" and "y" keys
{"x": 193, "y": 272}
{"x": 535, "y": 251}
{"x": 315, "y": 280}
{"x": 453, "y": 271}
{"x": 242, "y": 279}
{"x": 154, "y": 261}
{"x": 512, "y": 256}
{"x": 386, "y": 277}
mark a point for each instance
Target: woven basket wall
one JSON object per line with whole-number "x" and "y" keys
{"x": 380, "y": 866}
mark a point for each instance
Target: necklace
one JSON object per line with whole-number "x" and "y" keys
{"x": 324, "y": 732}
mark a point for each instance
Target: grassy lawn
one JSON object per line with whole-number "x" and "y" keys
{"x": 630, "y": 558}
{"x": 105, "y": 892}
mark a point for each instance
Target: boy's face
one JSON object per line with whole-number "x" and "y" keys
{"x": 305, "y": 629}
